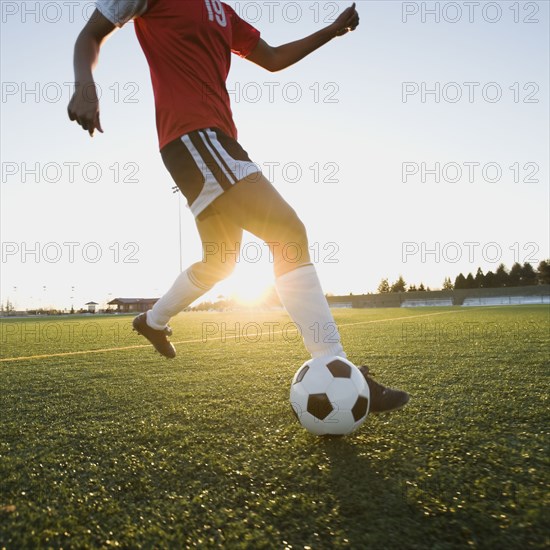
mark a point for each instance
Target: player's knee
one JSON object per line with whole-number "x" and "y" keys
{"x": 291, "y": 247}
{"x": 289, "y": 230}
{"x": 222, "y": 270}
{"x": 212, "y": 271}
{"x": 225, "y": 268}
{"x": 295, "y": 233}
{"x": 299, "y": 231}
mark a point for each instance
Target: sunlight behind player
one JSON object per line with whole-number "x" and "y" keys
{"x": 249, "y": 285}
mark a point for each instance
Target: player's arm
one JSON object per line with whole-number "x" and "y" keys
{"x": 277, "y": 58}
{"x": 84, "y": 105}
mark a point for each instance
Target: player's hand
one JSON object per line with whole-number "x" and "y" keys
{"x": 346, "y": 22}
{"x": 84, "y": 108}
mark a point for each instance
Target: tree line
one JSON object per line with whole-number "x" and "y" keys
{"x": 517, "y": 275}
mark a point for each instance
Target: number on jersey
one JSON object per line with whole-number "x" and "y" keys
{"x": 216, "y": 11}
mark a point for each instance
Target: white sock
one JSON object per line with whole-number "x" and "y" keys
{"x": 301, "y": 294}
{"x": 184, "y": 291}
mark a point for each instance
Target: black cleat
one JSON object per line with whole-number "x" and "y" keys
{"x": 156, "y": 337}
{"x": 383, "y": 399}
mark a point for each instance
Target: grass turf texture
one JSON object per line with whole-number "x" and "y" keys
{"x": 126, "y": 448}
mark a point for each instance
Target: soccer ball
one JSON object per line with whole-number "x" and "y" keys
{"x": 330, "y": 396}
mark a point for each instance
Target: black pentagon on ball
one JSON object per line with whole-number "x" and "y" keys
{"x": 339, "y": 369}
{"x": 318, "y": 404}
{"x": 360, "y": 408}
{"x": 301, "y": 374}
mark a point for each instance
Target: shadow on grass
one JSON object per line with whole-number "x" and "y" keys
{"x": 372, "y": 506}
{"x": 371, "y": 492}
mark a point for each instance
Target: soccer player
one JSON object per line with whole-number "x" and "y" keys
{"x": 188, "y": 45}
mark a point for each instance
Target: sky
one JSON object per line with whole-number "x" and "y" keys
{"x": 416, "y": 146}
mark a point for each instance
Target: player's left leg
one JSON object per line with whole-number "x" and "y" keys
{"x": 220, "y": 248}
{"x": 220, "y": 242}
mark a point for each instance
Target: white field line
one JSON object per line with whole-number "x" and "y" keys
{"x": 202, "y": 340}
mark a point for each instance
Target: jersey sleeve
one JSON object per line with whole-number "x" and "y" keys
{"x": 245, "y": 37}
{"x": 119, "y": 12}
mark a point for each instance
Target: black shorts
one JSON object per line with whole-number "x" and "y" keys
{"x": 205, "y": 164}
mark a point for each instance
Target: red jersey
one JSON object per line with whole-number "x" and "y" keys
{"x": 188, "y": 45}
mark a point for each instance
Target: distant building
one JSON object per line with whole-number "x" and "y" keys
{"x": 532, "y": 294}
{"x": 92, "y": 307}
{"x": 131, "y": 305}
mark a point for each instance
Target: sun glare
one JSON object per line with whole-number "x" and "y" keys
{"x": 250, "y": 286}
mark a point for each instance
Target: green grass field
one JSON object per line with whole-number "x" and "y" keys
{"x": 124, "y": 448}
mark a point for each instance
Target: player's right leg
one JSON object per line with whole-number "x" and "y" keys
{"x": 256, "y": 206}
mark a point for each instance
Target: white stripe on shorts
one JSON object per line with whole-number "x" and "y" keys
{"x": 232, "y": 169}
{"x": 240, "y": 169}
{"x": 220, "y": 152}
{"x": 211, "y": 189}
